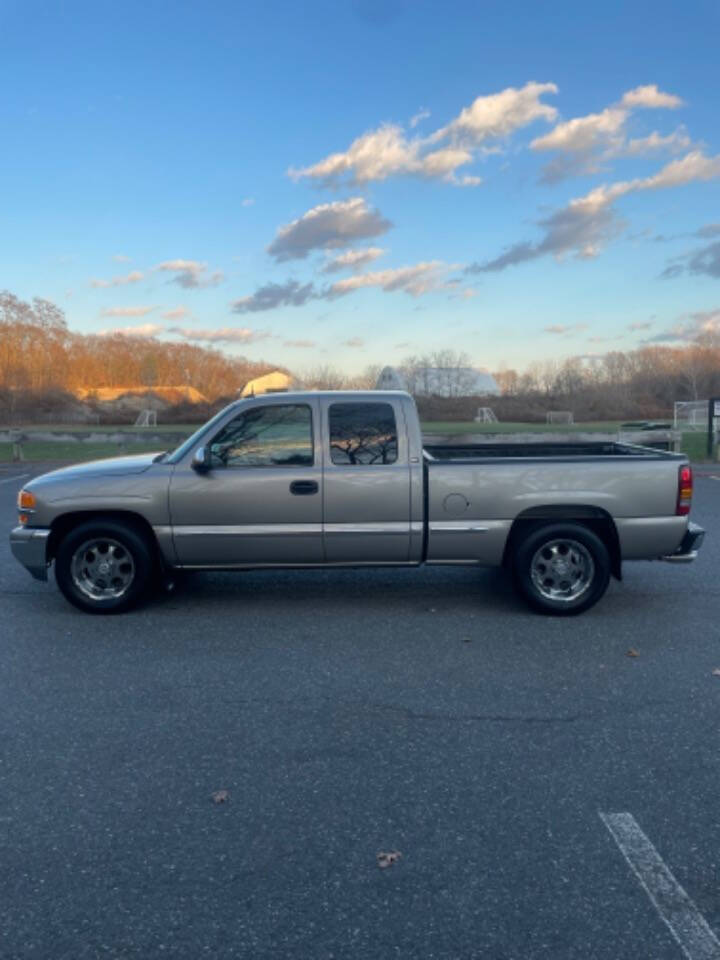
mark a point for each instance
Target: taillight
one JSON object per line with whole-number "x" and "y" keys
{"x": 685, "y": 488}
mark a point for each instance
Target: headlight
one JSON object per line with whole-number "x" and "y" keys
{"x": 26, "y": 505}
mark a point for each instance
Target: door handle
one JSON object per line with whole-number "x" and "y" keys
{"x": 302, "y": 488}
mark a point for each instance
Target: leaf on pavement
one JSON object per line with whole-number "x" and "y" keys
{"x": 385, "y": 860}
{"x": 221, "y": 796}
{"x": 632, "y": 652}
{"x": 716, "y": 672}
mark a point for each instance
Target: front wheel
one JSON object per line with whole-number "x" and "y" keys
{"x": 562, "y": 569}
{"x": 104, "y": 566}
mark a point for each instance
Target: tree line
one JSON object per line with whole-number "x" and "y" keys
{"x": 40, "y": 357}
{"x": 41, "y": 360}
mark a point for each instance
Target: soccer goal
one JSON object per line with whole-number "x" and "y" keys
{"x": 690, "y": 415}
{"x": 559, "y": 416}
{"x": 147, "y": 418}
{"x": 485, "y": 415}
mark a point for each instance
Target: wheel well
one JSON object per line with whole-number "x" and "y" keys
{"x": 594, "y": 518}
{"x": 66, "y": 521}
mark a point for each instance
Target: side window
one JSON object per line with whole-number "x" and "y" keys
{"x": 362, "y": 433}
{"x": 276, "y": 435}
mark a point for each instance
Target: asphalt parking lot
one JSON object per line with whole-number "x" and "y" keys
{"x": 353, "y": 712}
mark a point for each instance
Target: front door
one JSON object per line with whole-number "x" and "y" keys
{"x": 366, "y": 482}
{"x": 260, "y": 501}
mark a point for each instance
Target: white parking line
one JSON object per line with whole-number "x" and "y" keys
{"x": 676, "y": 909}
{"x": 19, "y": 476}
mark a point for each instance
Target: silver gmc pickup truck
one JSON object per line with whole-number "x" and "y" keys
{"x": 342, "y": 478}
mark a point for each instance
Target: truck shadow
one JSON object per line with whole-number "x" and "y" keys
{"x": 370, "y": 590}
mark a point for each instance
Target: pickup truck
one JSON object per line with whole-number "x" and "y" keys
{"x": 342, "y": 479}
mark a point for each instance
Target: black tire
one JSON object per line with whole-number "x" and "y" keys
{"x": 561, "y": 569}
{"x": 123, "y": 548}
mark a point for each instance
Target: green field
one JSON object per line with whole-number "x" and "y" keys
{"x": 449, "y": 427}
{"x": 694, "y": 444}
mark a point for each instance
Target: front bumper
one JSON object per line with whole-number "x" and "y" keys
{"x": 688, "y": 549}
{"x": 29, "y": 546}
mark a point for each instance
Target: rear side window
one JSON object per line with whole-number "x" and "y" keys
{"x": 362, "y": 433}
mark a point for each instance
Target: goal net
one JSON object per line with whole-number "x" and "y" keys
{"x": 485, "y": 415}
{"x": 146, "y": 418}
{"x": 559, "y": 416}
{"x": 690, "y": 415}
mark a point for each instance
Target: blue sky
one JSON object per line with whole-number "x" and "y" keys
{"x": 352, "y": 182}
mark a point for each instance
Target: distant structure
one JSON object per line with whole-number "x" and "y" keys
{"x": 274, "y": 382}
{"x": 391, "y": 379}
{"x": 440, "y": 382}
{"x": 147, "y": 418}
{"x": 140, "y": 398}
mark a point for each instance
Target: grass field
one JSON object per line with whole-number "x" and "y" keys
{"x": 694, "y": 444}
{"x": 449, "y": 428}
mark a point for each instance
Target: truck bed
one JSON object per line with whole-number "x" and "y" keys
{"x": 570, "y": 450}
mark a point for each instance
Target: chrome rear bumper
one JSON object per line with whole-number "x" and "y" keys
{"x": 29, "y": 546}
{"x": 688, "y": 549}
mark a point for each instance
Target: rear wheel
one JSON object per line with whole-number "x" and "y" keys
{"x": 562, "y": 569}
{"x": 104, "y": 566}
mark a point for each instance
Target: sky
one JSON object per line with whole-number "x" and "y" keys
{"x": 350, "y": 182}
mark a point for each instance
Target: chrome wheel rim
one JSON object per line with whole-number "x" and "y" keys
{"x": 562, "y": 570}
{"x": 102, "y": 569}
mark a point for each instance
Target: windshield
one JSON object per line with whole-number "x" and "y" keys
{"x": 179, "y": 452}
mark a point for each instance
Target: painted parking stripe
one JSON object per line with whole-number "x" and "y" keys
{"x": 677, "y": 911}
{"x": 19, "y": 476}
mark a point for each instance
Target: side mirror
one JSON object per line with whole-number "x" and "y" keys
{"x": 201, "y": 459}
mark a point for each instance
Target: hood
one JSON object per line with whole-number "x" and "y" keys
{"x": 113, "y": 467}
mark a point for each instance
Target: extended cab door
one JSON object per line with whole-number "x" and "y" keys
{"x": 260, "y": 501}
{"x": 366, "y": 486}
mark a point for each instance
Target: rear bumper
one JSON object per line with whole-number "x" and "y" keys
{"x": 29, "y": 546}
{"x": 688, "y": 549}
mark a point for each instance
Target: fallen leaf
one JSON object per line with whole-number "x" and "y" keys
{"x": 220, "y": 796}
{"x": 632, "y": 652}
{"x": 716, "y": 672}
{"x": 385, "y": 860}
{"x": 466, "y": 639}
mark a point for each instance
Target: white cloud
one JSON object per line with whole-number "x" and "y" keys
{"x": 704, "y": 323}
{"x": 387, "y": 151}
{"x": 326, "y": 227}
{"x": 499, "y": 114}
{"x": 674, "y": 143}
{"x": 190, "y": 273}
{"x": 248, "y": 201}
{"x": 590, "y": 139}
{"x": 300, "y": 344}
{"x": 354, "y": 343}
{"x": 219, "y": 335}
{"x": 272, "y": 295}
{"x": 126, "y": 311}
{"x": 376, "y": 155}
{"x": 421, "y": 115}
{"x": 583, "y": 133}
{"x": 564, "y": 329}
{"x": 582, "y": 227}
{"x": 650, "y": 97}
{"x": 705, "y": 261}
{"x": 143, "y": 330}
{"x": 640, "y": 325}
{"x": 468, "y": 180}
{"x": 415, "y": 280}
{"x": 177, "y": 313}
{"x": 353, "y": 259}
{"x": 121, "y": 258}
{"x": 133, "y": 277}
